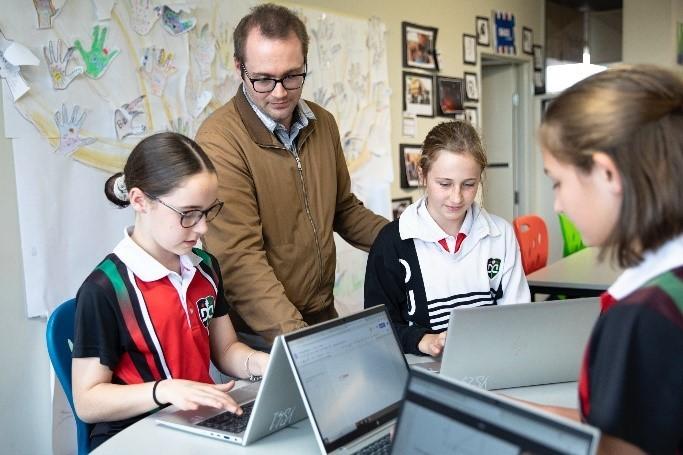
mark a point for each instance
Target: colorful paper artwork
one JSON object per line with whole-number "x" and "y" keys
{"x": 175, "y": 23}
{"x": 203, "y": 51}
{"x": 157, "y": 66}
{"x": 98, "y": 58}
{"x": 46, "y": 12}
{"x": 504, "y": 24}
{"x": 103, "y": 9}
{"x": 58, "y": 62}
{"x": 12, "y": 56}
{"x": 125, "y": 116}
{"x": 180, "y": 126}
{"x": 69, "y": 130}
{"x": 143, "y": 16}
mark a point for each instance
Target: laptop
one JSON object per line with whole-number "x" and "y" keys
{"x": 502, "y": 346}
{"x": 351, "y": 374}
{"x": 269, "y": 405}
{"x": 440, "y": 415}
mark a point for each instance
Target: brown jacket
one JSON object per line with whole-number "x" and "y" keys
{"x": 273, "y": 238}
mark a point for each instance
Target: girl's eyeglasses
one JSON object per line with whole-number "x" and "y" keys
{"x": 190, "y": 218}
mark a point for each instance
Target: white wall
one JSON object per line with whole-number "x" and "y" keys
{"x": 25, "y": 376}
{"x": 651, "y": 40}
{"x": 25, "y": 414}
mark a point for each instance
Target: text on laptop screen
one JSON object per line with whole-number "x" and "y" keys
{"x": 440, "y": 419}
{"x": 349, "y": 373}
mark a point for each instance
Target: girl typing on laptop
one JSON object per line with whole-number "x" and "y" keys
{"x": 613, "y": 148}
{"x": 445, "y": 250}
{"x": 152, "y": 315}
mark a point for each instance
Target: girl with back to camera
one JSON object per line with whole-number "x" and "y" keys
{"x": 613, "y": 148}
{"x": 152, "y": 315}
{"x": 445, "y": 250}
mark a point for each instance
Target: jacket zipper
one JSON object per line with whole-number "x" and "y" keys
{"x": 310, "y": 217}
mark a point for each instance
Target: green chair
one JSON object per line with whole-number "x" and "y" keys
{"x": 571, "y": 236}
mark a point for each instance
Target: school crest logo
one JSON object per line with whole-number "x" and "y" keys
{"x": 205, "y": 307}
{"x": 493, "y": 267}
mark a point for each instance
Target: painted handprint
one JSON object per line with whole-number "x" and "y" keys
{"x": 224, "y": 46}
{"x": 69, "y": 131}
{"x": 98, "y": 58}
{"x": 57, "y": 64}
{"x": 103, "y": 9}
{"x": 12, "y": 56}
{"x": 175, "y": 23}
{"x": 180, "y": 126}
{"x": 143, "y": 16}
{"x": 46, "y": 11}
{"x": 124, "y": 117}
{"x": 157, "y": 66}
{"x": 203, "y": 51}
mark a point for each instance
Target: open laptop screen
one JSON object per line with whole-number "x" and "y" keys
{"x": 353, "y": 374}
{"x": 441, "y": 416}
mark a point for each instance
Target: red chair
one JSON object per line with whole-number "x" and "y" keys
{"x": 532, "y": 235}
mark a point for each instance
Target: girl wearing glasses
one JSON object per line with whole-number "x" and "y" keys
{"x": 152, "y": 315}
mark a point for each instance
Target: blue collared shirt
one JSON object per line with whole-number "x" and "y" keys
{"x": 302, "y": 114}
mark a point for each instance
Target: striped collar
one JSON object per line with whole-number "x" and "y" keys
{"x": 142, "y": 264}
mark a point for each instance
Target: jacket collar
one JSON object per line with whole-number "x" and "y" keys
{"x": 257, "y": 130}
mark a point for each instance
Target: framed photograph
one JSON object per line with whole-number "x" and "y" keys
{"x": 527, "y": 40}
{"x": 398, "y": 205}
{"x": 483, "y": 31}
{"x": 472, "y": 116}
{"x": 471, "y": 87}
{"x": 418, "y": 94}
{"x": 679, "y": 46}
{"x": 539, "y": 82}
{"x": 419, "y": 46}
{"x": 409, "y": 159}
{"x": 538, "y": 57}
{"x": 469, "y": 49}
{"x": 449, "y": 94}
{"x": 504, "y": 32}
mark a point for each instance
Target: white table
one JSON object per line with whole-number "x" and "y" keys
{"x": 147, "y": 437}
{"x": 577, "y": 275}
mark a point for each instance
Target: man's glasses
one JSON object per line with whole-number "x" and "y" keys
{"x": 268, "y": 84}
{"x": 192, "y": 217}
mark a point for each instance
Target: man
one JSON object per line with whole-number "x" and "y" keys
{"x": 284, "y": 180}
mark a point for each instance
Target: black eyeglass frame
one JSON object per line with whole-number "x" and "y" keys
{"x": 187, "y": 214}
{"x": 274, "y": 80}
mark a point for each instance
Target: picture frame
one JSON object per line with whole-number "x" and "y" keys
{"x": 483, "y": 28}
{"x": 504, "y": 32}
{"x": 469, "y": 49}
{"x": 527, "y": 40}
{"x": 539, "y": 63}
{"x": 545, "y": 102}
{"x": 418, "y": 94}
{"x": 471, "y": 87}
{"x": 399, "y": 204}
{"x": 449, "y": 95}
{"x": 419, "y": 46}
{"x": 409, "y": 159}
{"x": 472, "y": 116}
{"x": 539, "y": 82}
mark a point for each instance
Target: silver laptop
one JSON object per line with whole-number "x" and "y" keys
{"x": 352, "y": 374}
{"x": 269, "y": 405}
{"x": 440, "y": 415}
{"x": 502, "y": 346}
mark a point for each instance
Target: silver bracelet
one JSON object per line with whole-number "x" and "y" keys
{"x": 252, "y": 377}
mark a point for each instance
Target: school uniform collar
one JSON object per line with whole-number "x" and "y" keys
{"x": 142, "y": 264}
{"x": 654, "y": 263}
{"x": 416, "y": 223}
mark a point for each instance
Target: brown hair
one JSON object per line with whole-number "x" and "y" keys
{"x": 456, "y": 137}
{"x": 159, "y": 164}
{"x": 634, "y": 114}
{"x": 274, "y": 22}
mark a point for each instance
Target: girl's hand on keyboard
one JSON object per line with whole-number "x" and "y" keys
{"x": 190, "y": 395}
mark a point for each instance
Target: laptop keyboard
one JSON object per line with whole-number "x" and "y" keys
{"x": 229, "y": 422}
{"x": 380, "y": 447}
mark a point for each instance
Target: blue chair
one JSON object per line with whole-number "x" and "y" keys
{"x": 60, "y": 334}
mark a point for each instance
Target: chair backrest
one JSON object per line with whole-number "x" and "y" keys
{"x": 570, "y": 235}
{"x": 60, "y": 335}
{"x": 532, "y": 235}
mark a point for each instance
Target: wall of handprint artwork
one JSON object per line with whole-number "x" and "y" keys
{"x": 108, "y": 72}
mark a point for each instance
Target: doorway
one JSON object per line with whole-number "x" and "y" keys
{"x": 506, "y": 128}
